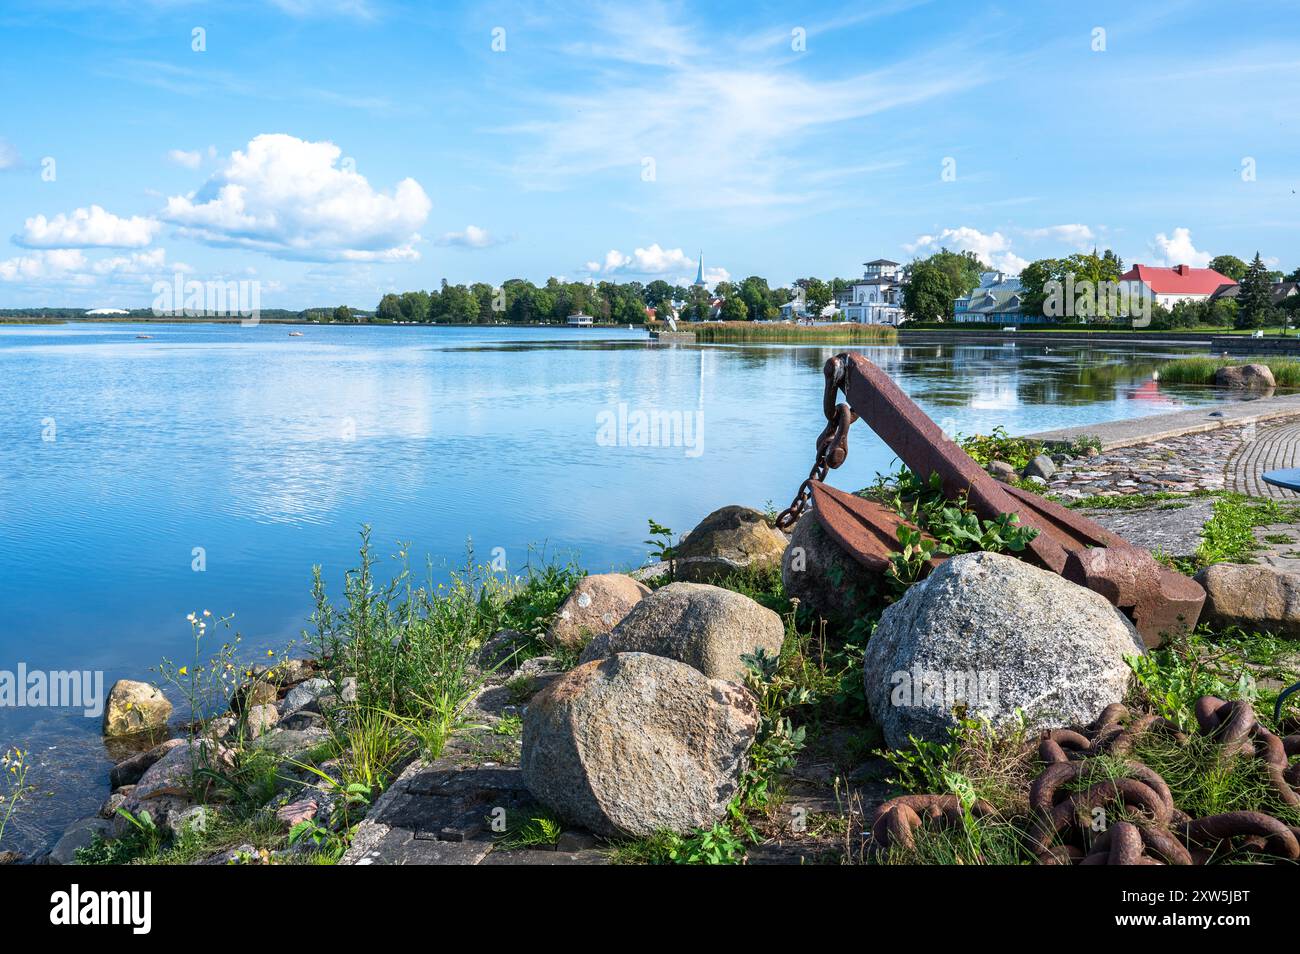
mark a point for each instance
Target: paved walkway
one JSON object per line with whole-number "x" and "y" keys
{"x": 1272, "y": 447}
{"x": 1144, "y": 430}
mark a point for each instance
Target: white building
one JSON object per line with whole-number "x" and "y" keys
{"x": 878, "y": 298}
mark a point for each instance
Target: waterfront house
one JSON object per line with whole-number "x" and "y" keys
{"x": 878, "y": 298}
{"x": 1280, "y": 292}
{"x": 997, "y": 299}
{"x": 580, "y": 321}
{"x": 1169, "y": 286}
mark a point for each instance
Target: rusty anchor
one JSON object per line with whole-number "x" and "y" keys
{"x": 1159, "y": 601}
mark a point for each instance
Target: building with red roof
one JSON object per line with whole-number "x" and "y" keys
{"x": 1168, "y": 286}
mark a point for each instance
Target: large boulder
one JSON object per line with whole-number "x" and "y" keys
{"x": 824, "y": 577}
{"x": 1245, "y": 376}
{"x": 636, "y": 744}
{"x": 128, "y": 771}
{"x": 701, "y": 625}
{"x": 990, "y": 635}
{"x": 1255, "y": 597}
{"x": 730, "y": 539}
{"x": 134, "y": 707}
{"x": 595, "y": 606}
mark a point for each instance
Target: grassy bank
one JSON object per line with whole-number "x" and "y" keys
{"x": 745, "y": 331}
{"x": 1286, "y": 371}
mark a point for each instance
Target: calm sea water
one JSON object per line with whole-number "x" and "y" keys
{"x": 122, "y": 455}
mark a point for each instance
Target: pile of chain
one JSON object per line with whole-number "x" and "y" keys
{"x": 1063, "y": 823}
{"x": 832, "y": 443}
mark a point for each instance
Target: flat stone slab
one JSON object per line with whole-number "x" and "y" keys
{"x": 1172, "y": 527}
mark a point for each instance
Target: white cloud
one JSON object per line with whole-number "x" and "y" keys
{"x": 88, "y": 228}
{"x": 9, "y": 158}
{"x": 70, "y": 266}
{"x": 644, "y": 261}
{"x": 190, "y": 160}
{"x": 1076, "y": 235}
{"x": 993, "y": 248}
{"x": 293, "y": 199}
{"x": 472, "y": 237}
{"x": 750, "y": 118}
{"x": 1178, "y": 249}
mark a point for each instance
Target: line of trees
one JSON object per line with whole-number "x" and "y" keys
{"x": 520, "y": 301}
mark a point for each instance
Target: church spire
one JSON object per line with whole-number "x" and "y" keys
{"x": 699, "y": 274}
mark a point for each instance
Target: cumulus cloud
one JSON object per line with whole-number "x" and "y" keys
{"x": 293, "y": 199}
{"x": 644, "y": 261}
{"x": 1075, "y": 235}
{"x": 87, "y": 228}
{"x": 70, "y": 266}
{"x": 472, "y": 237}
{"x": 190, "y": 160}
{"x": 993, "y": 248}
{"x": 1178, "y": 249}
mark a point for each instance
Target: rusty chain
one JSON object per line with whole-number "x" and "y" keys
{"x": 832, "y": 442}
{"x": 1154, "y": 830}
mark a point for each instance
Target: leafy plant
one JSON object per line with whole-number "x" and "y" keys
{"x": 13, "y": 773}
{"x": 999, "y": 445}
{"x": 661, "y": 546}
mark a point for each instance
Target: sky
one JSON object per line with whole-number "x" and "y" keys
{"x": 335, "y": 150}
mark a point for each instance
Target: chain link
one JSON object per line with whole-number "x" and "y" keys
{"x": 832, "y": 443}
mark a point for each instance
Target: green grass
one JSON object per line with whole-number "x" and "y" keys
{"x": 1200, "y": 370}
{"x": 1229, "y": 535}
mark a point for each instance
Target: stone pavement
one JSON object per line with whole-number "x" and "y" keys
{"x": 1274, "y": 447}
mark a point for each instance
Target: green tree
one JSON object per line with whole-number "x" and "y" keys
{"x": 342, "y": 313}
{"x": 389, "y": 309}
{"x": 1230, "y": 265}
{"x": 1255, "y": 300}
{"x": 734, "y": 309}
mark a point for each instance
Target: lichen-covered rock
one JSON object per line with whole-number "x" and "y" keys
{"x": 1255, "y": 597}
{"x": 135, "y": 707}
{"x": 129, "y": 771}
{"x": 306, "y": 693}
{"x": 595, "y": 606}
{"x": 991, "y": 634}
{"x": 1245, "y": 376}
{"x": 260, "y": 719}
{"x": 636, "y": 744}
{"x": 729, "y": 539}
{"x": 701, "y": 625}
{"x": 824, "y": 577}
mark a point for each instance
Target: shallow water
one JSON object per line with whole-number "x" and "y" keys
{"x": 269, "y": 452}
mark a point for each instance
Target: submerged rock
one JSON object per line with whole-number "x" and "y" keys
{"x": 134, "y": 707}
{"x": 636, "y": 744}
{"x": 597, "y": 604}
{"x": 701, "y": 625}
{"x": 727, "y": 540}
{"x": 989, "y": 634}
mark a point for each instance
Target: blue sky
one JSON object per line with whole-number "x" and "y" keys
{"x": 337, "y": 150}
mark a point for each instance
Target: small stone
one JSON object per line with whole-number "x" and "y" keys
{"x": 1041, "y": 467}
{"x": 80, "y": 835}
{"x": 1256, "y": 597}
{"x": 727, "y": 540}
{"x": 135, "y": 707}
{"x": 128, "y": 772}
{"x": 597, "y": 604}
{"x": 260, "y": 718}
{"x": 306, "y": 693}
{"x": 703, "y": 626}
{"x": 300, "y": 811}
{"x": 1001, "y": 470}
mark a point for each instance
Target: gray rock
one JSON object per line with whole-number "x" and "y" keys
{"x": 992, "y": 634}
{"x": 1255, "y": 597}
{"x": 499, "y": 649}
{"x": 129, "y": 771}
{"x": 256, "y": 692}
{"x": 636, "y": 744}
{"x": 80, "y": 835}
{"x": 288, "y": 672}
{"x": 596, "y": 605}
{"x": 291, "y": 743}
{"x": 727, "y": 540}
{"x": 302, "y": 719}
{"x": 701, "y": 625}
{"x": 1003, "y": 471}
{"x": 305, "y": 693}
{"x": 174, "y": 773}
{"x": 195, "y": 818}
{"x": 135, "y": 707}
{"x": 1041, "y": 466}
{"x": 825, "y": 579}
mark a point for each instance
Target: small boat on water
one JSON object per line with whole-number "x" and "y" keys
{"x": 143, "y": 337}
{"x": 295, "y": 334}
